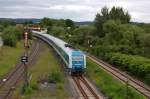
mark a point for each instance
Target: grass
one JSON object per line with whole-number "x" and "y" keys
{"x": 109, "y": 85}
{"x": 46, "y": 64}
{"x": 9, "y": 56}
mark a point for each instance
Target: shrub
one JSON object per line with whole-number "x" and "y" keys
{"x": 59, "y": 86}
{"x": 34, "y": 86}
{"x": 10, "y": 40}
{"x": 27, "y": 90}
{"x": 56, "y": 31}
{"x": 55, "y": 77}
{"x": 11, "y": 35}
{"x": 135, "y": 65}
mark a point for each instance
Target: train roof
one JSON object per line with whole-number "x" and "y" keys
{"x": 65, "y": 46}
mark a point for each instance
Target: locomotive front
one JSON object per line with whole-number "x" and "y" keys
{"x": 78, "y": 61}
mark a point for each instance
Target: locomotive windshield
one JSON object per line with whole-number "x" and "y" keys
{"x": 77, "y": 58}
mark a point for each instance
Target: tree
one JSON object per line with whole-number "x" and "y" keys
{"x": 57, "y": 31}
{"x": 13, "y": 30}
{"x": 46, "y": 22}
{"x": 11, "y": 35}
{"x": 28, "y": 22}
{"x": 116, "y": 13}
{"x": 146, "y": 40}
{"x": 113, "y": 30}
{"x": 69, "y": 23}
{"x": 10, "y": 40}
{"x": 105, "y": 12}
{"x": 1, "y": 28}
{"x": 6, "y": 23}
{"x": 59, "y": 23}
{"x": 83, "y": 36}
{"x": 145, "y": 48}
{"x": 99, "y": 25}
{"x": 100, "y": 20}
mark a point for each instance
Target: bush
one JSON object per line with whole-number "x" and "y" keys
{"x": 55, "y": 77}
{"x": 34, "y": 86}
{"x": 27, "y": 90}
{"x": 10, "y": 40}
{"x": 56, "y": 31}
{"x": 60, "y": 86}
{"x": 1, "y": 28}
{"x": 11, "y": 35}
{"x": 135, "y": 65}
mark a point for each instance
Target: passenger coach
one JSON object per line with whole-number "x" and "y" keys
{"x": 74, "y": 59}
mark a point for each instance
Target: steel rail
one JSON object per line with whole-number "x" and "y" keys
{"x": 16, "y": 75}
{"x": 76, "y": 79}
{"x": 80, "y": 79}
{"x": 89, "y": 87}
{"x": 8, "y": 76}
{"x": 139, "y": 86}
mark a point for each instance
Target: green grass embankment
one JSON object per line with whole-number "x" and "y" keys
{"x": 46, "y": 66}
{"x": 9, "y": 56}
{"x": 110, "y": 86}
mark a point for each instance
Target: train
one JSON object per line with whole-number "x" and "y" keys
{"x": 74, "y": 59}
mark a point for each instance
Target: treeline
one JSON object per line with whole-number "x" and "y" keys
{"x": 111, "y": 32}
{"x": 60, "y": 28}
{"x": 10, "y": 33}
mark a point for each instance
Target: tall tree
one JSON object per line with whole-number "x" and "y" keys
{"x": 116, "y": 13}
{"x": 100, "y": 20}
{"x": 69, "y": 23}
{"x": 46, "y": 22}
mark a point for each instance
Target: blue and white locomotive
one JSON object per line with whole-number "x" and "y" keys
{"x": 74, "y": 59}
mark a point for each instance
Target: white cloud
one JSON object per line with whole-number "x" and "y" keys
{"x": 71, "y": 7}
{"x": 78, "y": 10}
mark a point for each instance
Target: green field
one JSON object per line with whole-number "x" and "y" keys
{"x": 9, "y": 56}
{"x": 108, "y": 85}
{"x": 46, "y": 66}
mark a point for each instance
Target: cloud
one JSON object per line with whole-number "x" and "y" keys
{"x": 78, "y": 10}
{"x": 71, "y": 7}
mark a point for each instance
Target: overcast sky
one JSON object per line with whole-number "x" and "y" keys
{"x": 77, "y": 10}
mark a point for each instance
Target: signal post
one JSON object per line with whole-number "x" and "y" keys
{"x": 24, "y": 58}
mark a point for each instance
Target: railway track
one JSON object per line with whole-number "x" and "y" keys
{"x": 138, "y": 85}
{"x": 7, "y": 87}
{"x": 7, "y": 76}
{"x": 85, "y": 89}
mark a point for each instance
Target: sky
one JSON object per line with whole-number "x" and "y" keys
{"x": 77, "y": 10}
